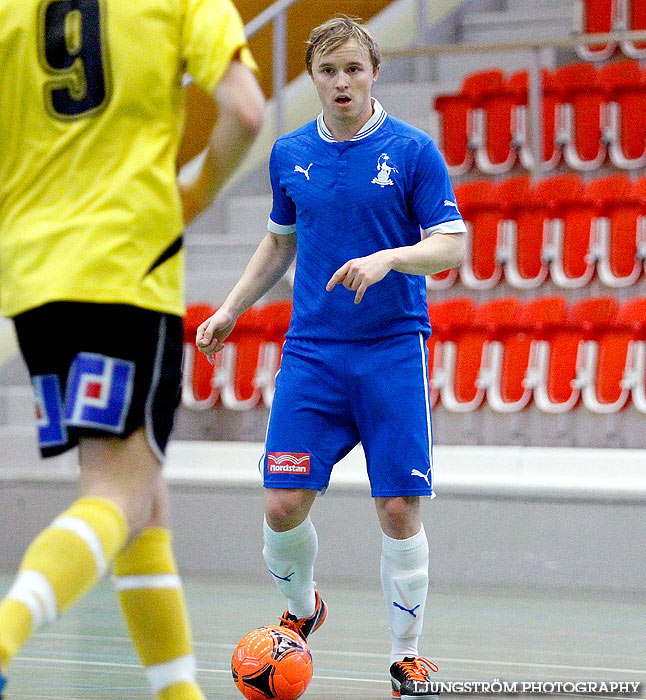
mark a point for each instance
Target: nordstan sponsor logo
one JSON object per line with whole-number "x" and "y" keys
{"x": 288, "y": 463}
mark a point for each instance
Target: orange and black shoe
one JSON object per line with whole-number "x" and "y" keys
{"x": 411, "y": 679}
{"x": 306, "y": 625}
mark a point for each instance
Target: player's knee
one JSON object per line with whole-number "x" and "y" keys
{"x": 399, "y": 516}
{"x": 285, "y": 508}
{"x": 125, "y": 472}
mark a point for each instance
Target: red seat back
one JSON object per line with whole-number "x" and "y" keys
{"x": 479, "y": 207}
{"x": 274, "y": 318}
{"x": 569, "y": 201}
{"x": 637, "y": 19}
{"x": 598, "y": 18}
{"x": 530, "y": 214}
{"x": 580, "y": 86}
{"x": 498, "y": 316}
{"x": 199, "y": 385}
{"x": 453, "y": 111}
{"x": 247, "y": 337}
{"x": 624, "y": 82}
{"x": 519, "y": 83}
{"x": 447, "y": 319}
{"x": 617, "y": 199}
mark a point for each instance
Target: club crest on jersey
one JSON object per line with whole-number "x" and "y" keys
{"x": 288, "y": 463}
{"x": 384, "y": 170}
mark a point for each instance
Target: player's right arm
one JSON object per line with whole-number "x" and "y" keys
{"x": 241, "y": 105}
{"x": 267, "y": 266}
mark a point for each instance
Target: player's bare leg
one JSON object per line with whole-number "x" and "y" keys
{"x": 404, "y": 580}
{"x": 124, "y": 471}
{"x": 151, "y": 598}
{"x": 121, "y": 515}
{"x": 67, "y": 558}
{"x": 291, "y": 545}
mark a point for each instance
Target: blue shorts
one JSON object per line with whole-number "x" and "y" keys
{"x": 332, "y": 395}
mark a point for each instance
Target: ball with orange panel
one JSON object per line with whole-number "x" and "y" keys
{"x": 272, "y": 663}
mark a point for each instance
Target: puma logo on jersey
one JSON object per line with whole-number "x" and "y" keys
{"x": 417, "y": 472}
{"x": 448, "y": 203}
{"x": 306, "y": 171}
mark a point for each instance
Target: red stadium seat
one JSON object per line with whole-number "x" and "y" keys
{"x": 235, "y": 376}
{"x": 523, "y": 233}
{"x": 599, "y": 17}
{"x": 454, "y": 115}
{"x": 495, "y": 317}
{"x": 458, "y": 376}
{"x": 442, "y": 280}
{"x": 511, "y": 351}
{"x": 619, "y": 208}
{"x": 640, "y": 188}
{"x": 490, "y": 136}
{"x": 519, "y": 84}
{"x": 482, "y": 214}
{"x": 635, "y": 20}
{"x": 581, "y": 116}
{"x": 274, "y": 320}
{"x": 198, "y": 389}
{"x": 570, "y": 230}
{"x": 557, "y": 375}
{"x": 608, "y": 358}
{"x": 632, "y": 314}
{"x": 448, "y": 318}
{"x": 625, "y": 85}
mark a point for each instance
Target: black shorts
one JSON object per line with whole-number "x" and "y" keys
{"x": 101, "y": 370}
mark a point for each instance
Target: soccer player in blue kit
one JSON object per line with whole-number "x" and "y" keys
{"x": 351, "y": 191}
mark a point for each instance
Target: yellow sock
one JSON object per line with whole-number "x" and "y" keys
{"x": 152, "y": 601}
{"x": 61, "y": 564}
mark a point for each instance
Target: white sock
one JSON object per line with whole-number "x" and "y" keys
{"x": 404, "y": 580}
{"x": 290, "y": 559}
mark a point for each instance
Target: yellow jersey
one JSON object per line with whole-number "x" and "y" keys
{"x": 91, "y": 114}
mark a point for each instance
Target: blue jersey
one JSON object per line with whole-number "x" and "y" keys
{"x": 349, "y": 199}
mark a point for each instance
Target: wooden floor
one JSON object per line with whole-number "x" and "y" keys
{"x": 485, "y": 635}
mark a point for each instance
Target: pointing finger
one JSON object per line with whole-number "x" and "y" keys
{"x": 337, "y": 277}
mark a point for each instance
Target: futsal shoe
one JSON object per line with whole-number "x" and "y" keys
{"x": 411, "y": 679}
{"x": 306, "y": 625}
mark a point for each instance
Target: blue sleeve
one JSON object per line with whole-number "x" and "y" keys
{"x": 433, "y": 200}
{"x": 283, "y": 212}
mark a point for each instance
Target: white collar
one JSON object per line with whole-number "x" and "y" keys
{"x": 376, "y": 120}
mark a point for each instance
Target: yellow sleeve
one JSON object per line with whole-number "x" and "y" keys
{"x": 212, "y": 34}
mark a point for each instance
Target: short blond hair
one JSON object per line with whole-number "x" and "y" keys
{"x": 335, "y": 32}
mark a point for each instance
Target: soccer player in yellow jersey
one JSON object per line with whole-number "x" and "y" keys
{"x": 91, "y": 271}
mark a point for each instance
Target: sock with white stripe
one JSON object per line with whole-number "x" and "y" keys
{"x": 63, "y": 563}
{"x": 290, "y": 559}
{"x": 153, "y": 606}
{"x": 404, "y": 580}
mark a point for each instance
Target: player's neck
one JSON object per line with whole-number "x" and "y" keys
{"x": 347, "y": 129}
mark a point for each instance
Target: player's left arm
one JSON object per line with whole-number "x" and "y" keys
{"x": 240, "y": 114}
{"x": 433, "y": 254}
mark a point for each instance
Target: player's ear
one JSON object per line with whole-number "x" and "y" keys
{"x": 375, "y": 73}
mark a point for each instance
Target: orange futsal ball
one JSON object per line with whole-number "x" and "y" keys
{"x": 272, "y": 663}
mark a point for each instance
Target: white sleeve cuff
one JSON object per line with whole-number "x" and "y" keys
{"x": 456, "y": 226}
{"x": 280, "y": 229}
